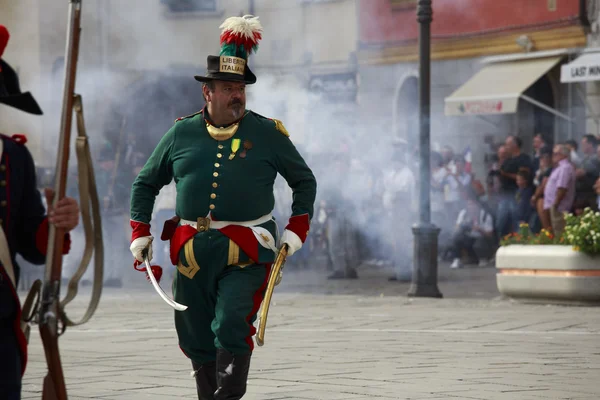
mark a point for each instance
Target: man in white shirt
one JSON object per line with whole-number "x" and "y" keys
{"x": 399, "y": 202}
{"x": 474, "y": 228}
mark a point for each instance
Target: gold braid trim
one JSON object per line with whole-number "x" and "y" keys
{"x": 191, "y": 260}
{"x": 234, "y": 253}
{"x": 279, "y": 126}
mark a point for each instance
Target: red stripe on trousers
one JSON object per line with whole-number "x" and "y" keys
{"x": 257, "y": 300}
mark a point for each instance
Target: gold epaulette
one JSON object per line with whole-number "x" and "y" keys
{"x": 279, "y": 126}
{"x": 188, "y": 116}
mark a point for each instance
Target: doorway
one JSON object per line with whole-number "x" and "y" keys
{"x": 533, "y": 119}
{"x": 407, "y": 111}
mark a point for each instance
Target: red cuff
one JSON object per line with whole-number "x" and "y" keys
{"x": 300, "y": 225}
{"x": 41, "y": 239}
{"x": 140, "y": 229}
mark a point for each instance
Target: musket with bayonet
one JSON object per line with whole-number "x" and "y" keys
{"x": 48, "y": 309}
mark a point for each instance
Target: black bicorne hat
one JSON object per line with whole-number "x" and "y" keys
{"x": 10, "y": 91}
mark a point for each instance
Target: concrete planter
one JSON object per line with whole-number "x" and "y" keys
{"x": 548, "y": 273}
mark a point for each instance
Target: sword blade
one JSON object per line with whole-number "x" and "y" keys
{"x": 161, "y": 293}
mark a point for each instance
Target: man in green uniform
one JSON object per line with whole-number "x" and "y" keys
{"x": 224, "y": 161}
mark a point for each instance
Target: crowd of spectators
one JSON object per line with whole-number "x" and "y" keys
{"x": 535, "y": 189}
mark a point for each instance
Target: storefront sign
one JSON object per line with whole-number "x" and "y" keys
{"x": 481, "y": 107}
{"x": 342, "y": 87}
{"x": 584, "y": 69}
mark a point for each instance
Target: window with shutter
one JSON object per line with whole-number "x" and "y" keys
{"x": 190, "y": 5}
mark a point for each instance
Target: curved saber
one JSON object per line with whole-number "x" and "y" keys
{"x": 161, "y": 293}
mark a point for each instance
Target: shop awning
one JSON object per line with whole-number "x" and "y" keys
{"x": 497, "y": 87}
{"x": 585, "y": 68}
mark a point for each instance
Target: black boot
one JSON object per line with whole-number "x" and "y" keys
{"x": 206, "y": 380}
{"x": 232, "y": 374}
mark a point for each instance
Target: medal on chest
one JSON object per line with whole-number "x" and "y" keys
{"x": 247, "y": 146}
{"x": 235, "y": 146}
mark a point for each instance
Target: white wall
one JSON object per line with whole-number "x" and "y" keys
{"x": 22, "y": 53}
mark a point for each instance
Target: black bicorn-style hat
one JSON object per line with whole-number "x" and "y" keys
{"x": 239, "y": 38}
{"x": 10, "y": 90}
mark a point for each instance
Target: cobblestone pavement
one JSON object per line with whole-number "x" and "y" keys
{"x": 366, "y": 341}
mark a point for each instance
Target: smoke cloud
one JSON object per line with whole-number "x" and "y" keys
{"x": 133, "y": 89}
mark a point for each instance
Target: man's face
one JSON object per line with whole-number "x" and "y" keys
{"x": 557, "y": 156}
{"x": 228, "y": 99}
{"x": 537, "y": 142}
{"x": 502, "y": 153}
{"x": 510, "y": 145}
{"x": 472, "y": 206}
{"x": 586, "y": 146}
{"x": 545, "y": 161}
{"x": 447, "y": 154}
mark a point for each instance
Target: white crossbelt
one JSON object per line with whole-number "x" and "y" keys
{"x": 263, "y": 236}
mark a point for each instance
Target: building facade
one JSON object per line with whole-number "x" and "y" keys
{"x": 137, "y": 61}
{"x": 21, "y": 18}
{"x": 495, "y": 70}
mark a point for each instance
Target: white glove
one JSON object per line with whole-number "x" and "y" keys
{"x": 293, "y": 241}
{"x": 139, "y": 245}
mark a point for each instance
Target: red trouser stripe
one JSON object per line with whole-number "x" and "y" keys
{"x": 257, "y": 300}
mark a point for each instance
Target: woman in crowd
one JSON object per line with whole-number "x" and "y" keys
{"x": 541, "y": 218}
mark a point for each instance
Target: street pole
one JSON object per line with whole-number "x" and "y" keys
{"x": 251, "y": 10}
{"x": 424, "y": 279}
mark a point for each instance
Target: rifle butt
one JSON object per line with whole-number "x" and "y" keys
{"x": 54, "y": 382}
{"x": 49, "y": 393}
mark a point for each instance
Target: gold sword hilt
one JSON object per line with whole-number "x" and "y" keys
{"x": 274, "y": 280}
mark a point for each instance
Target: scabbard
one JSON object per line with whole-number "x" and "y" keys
{"x": 169, "y": 228}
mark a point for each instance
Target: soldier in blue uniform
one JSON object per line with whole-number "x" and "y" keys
{"x": 25, "y": 225}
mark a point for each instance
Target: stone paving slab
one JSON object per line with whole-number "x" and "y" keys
{"x": 370, "y": 342}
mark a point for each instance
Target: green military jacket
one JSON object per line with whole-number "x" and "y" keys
{"x": 231, "y": 178}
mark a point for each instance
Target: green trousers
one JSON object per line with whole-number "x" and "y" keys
{"x": 223, "y": 290}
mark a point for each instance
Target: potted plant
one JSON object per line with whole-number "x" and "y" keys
{"x": 544, "y": 267}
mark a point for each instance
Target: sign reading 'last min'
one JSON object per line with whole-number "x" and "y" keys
{"x": 581, "y": 70}
{"x": 585, "y": 71}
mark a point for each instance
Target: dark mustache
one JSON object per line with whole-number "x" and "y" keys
{"x": 236, "y": 101}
